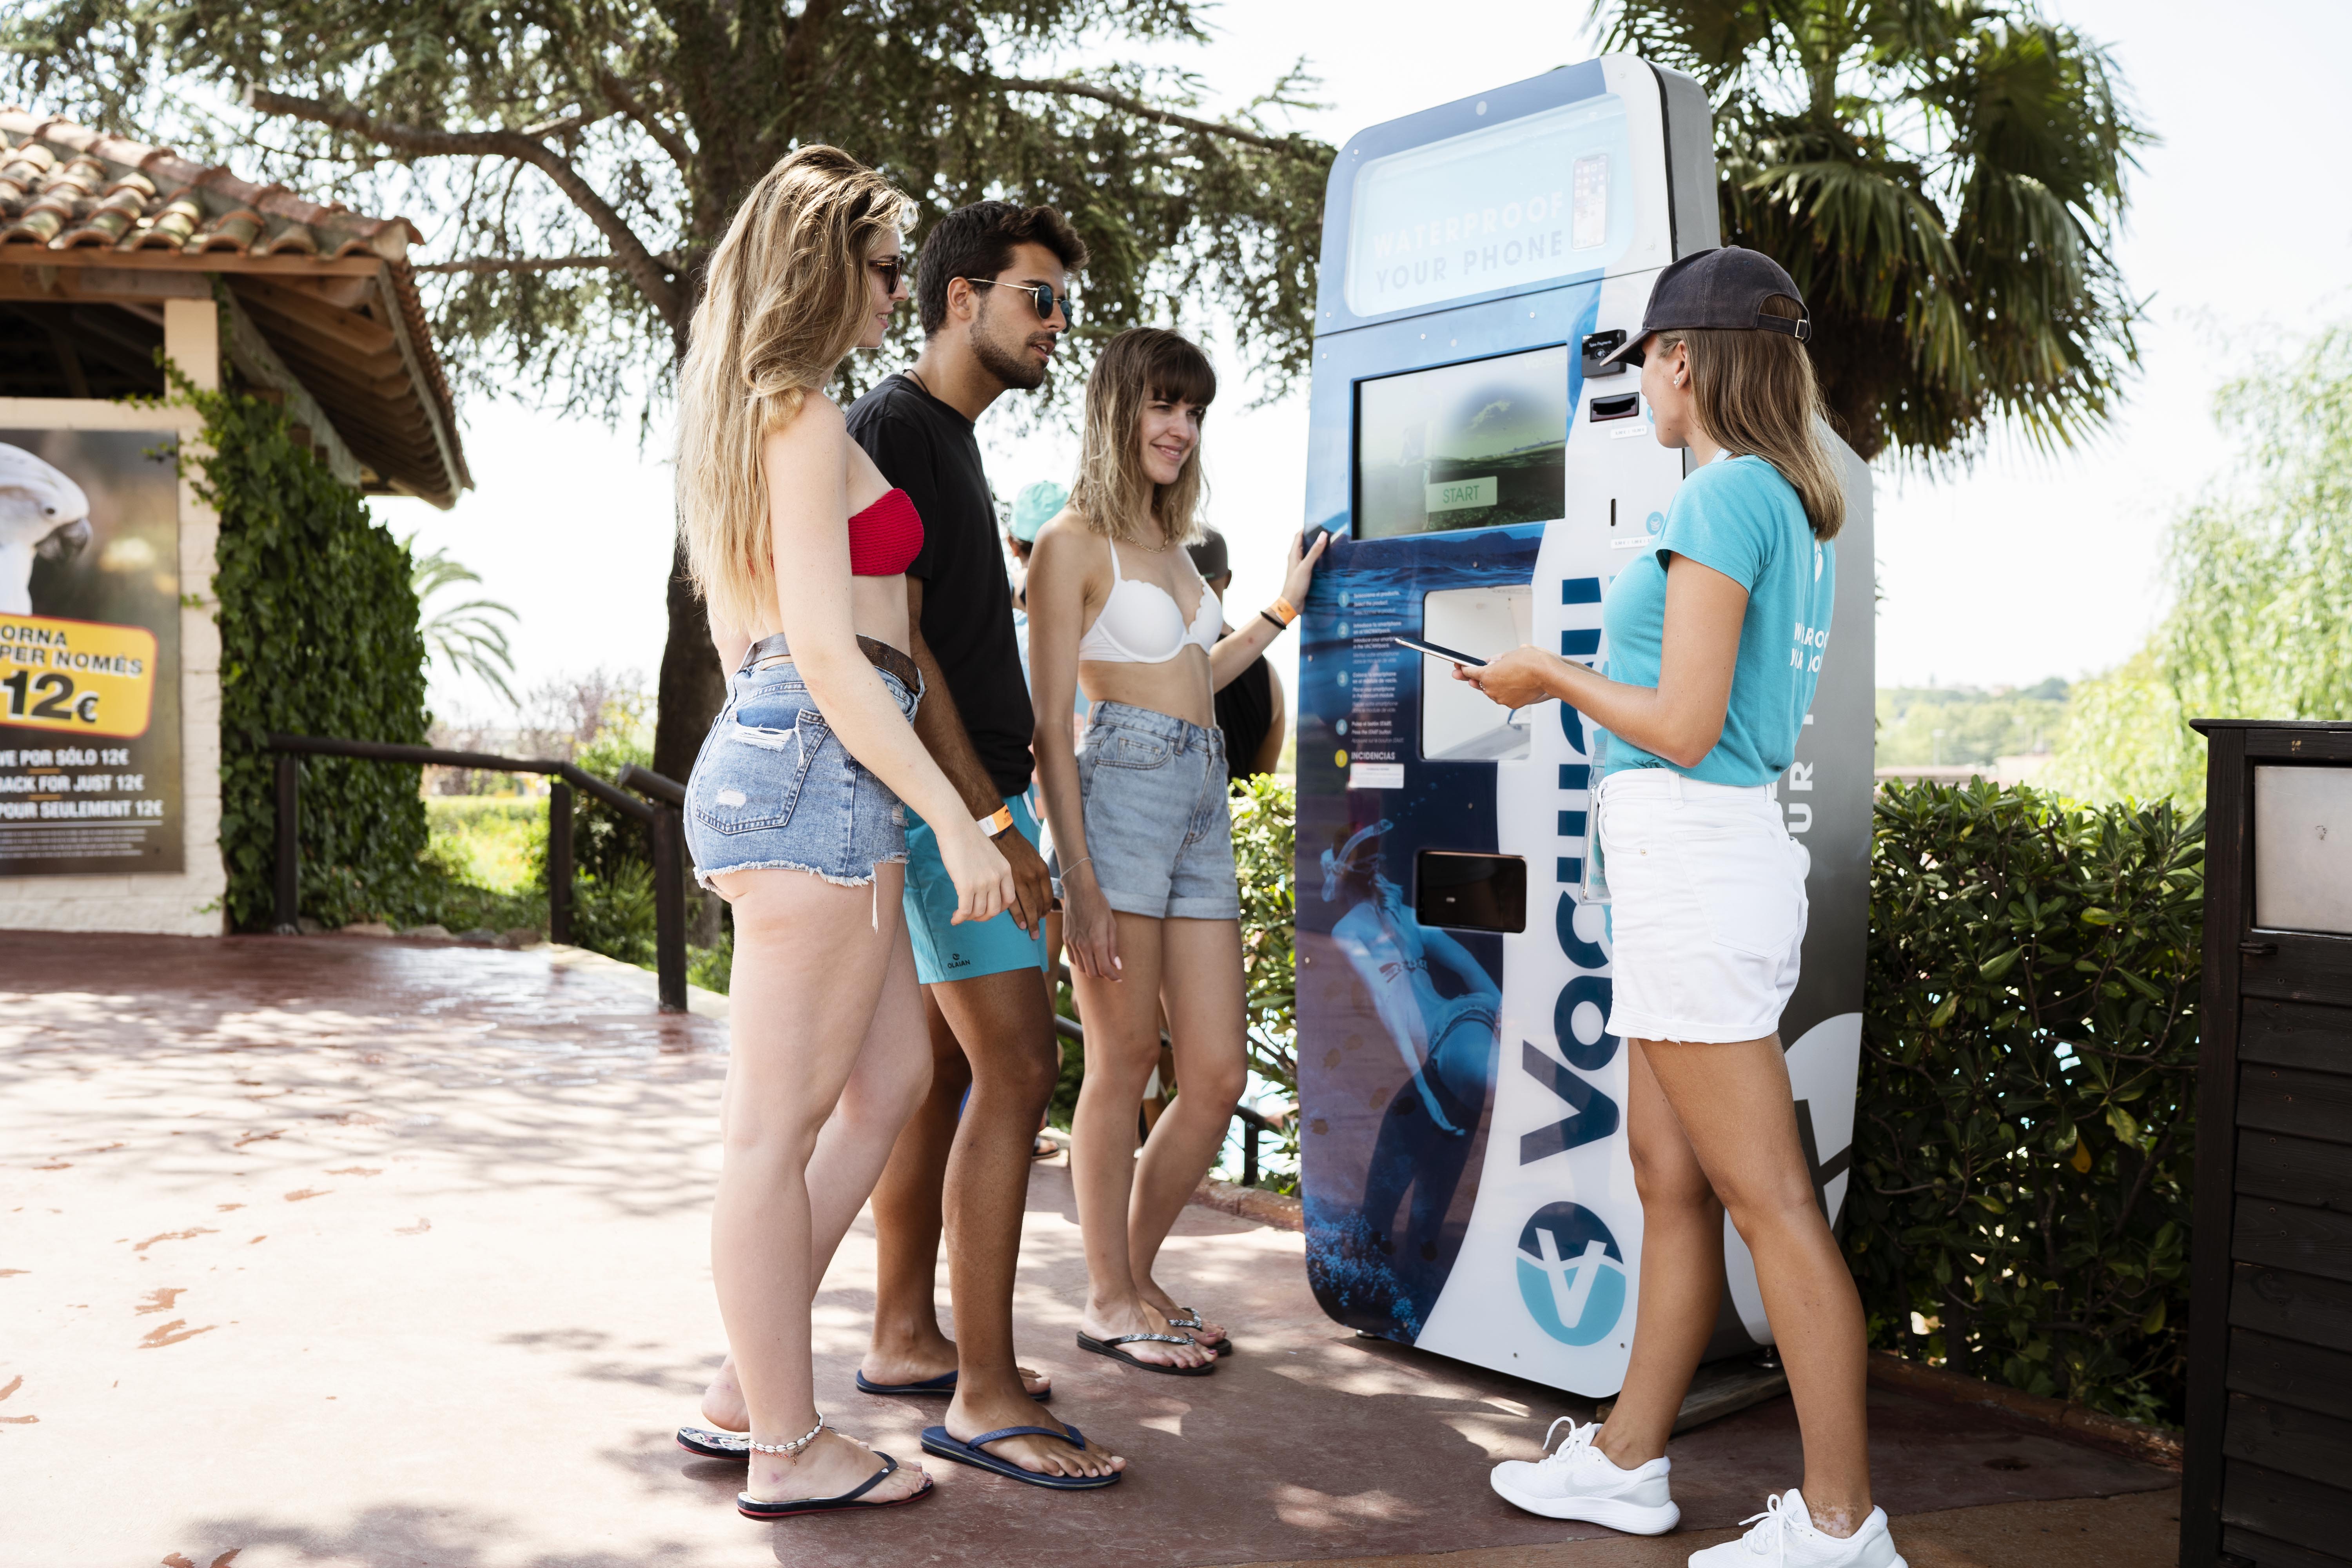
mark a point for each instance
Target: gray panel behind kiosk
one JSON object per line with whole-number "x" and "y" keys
{"x": 1690, "y": 163}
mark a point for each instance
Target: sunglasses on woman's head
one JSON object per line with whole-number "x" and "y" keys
{"x": 1041, "y": 295}
{"x": 892, "y": 269}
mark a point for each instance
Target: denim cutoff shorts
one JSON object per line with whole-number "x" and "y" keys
{"x": 775, "y": 789}
{"x": 1158, "y": 827}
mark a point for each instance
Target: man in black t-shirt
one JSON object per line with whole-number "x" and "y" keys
{"x": 992, "y": 284}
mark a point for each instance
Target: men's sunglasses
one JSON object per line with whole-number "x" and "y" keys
{"x": 1041, "y": 295}
{"x": 892, "y": 269}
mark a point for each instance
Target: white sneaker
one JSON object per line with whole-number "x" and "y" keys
{"x": 1784, "y": 1534}
{"x": 1577, "y": 1480}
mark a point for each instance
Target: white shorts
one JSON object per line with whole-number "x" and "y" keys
{"x": 1709, "y": 907}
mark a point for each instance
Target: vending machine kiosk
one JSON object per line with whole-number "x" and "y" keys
{"x": 1463, "y": 1167}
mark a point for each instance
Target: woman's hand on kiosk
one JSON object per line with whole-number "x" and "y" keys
{"x": 1522, "y": 676}
{"x": 1300, "y": 573}
{"x": 983, "y": 881}
{"x": 1089, "y": 928}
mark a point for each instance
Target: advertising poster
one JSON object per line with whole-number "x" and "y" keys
{"x": 90, "y": 652}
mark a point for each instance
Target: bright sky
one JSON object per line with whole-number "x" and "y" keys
{"x": 2026, "y": 567}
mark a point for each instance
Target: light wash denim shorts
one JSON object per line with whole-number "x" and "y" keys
{"x": 775, "y": 789}
{"x": 1158, "y": 827}
{"x": 1708, "y": 919}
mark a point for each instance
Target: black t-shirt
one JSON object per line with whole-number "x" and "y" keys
{"x": 928, "y": 450}
{"x": 1246, "y": 712}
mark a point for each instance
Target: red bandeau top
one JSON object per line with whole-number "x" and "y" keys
{"x": 885, "y": 538}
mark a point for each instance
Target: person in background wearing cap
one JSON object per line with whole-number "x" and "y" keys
{"x": 1250, "y": 708}
{"x": 1716, "y": 642}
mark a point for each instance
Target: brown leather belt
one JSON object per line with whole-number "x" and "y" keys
{"x": 769, "y": 652}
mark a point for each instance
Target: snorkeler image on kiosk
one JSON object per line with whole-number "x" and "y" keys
{"x": 1484, "y": 477}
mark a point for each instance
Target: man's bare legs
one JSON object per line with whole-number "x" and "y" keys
{"x": 826, "y": 998}
{"x": 1714, "y": 1127}
{"x": 1123, "y": 1200}
{"x": 1006, "y": 1022}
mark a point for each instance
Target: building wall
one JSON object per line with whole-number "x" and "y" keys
{"x": 188, "y": 904}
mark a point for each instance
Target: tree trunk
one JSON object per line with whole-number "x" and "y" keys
{"x": 693, "y": 688}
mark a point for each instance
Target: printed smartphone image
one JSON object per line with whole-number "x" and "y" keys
{"x": 1471, "y": 661}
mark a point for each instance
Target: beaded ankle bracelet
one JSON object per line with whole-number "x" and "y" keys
{"x": 797, "y": 1443}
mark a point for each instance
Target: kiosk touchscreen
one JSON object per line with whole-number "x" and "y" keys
{"x": 1463, "y": 1150}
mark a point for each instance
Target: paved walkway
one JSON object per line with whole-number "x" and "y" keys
{"x": 335, "y": 1251}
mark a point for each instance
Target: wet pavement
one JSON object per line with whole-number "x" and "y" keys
{"x": 345, "y": 1251}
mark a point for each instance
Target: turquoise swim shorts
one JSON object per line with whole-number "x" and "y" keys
{"x": 945, "y": 951}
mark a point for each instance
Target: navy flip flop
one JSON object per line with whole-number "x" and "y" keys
{"x": 1111, "y": 1348}
{"x": 751, "y": 1507}
{"x": 945, "y": 1384}
{"x": 937, "y": 1442}
{"x": 713, "y": 1443}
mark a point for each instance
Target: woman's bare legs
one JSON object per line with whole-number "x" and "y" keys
{"x": 1202, "y": 989}
{"x": 1720, "y": 1120}
{"x": 1122, "y": 1047}
{"x": 824, "y": 999}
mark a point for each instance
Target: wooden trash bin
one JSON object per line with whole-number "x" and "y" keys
{"x": 2267, "y": 1469}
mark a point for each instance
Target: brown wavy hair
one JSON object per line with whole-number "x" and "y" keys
{"x": 1112, "y": 492}
{"x": 784, "y": 299}
{"x": 1754, "y": 393}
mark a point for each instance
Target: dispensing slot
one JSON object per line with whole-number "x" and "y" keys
{"x": 1458, "y": 722}
{"x": 1624, "y": 407}
{"x": 1470, "y": 892}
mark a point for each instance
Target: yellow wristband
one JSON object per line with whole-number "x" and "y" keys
{"x": 996, "y": 822}
{"x": 1284, "y": 608}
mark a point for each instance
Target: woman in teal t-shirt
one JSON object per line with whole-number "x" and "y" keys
{"x": 1716, "y": 642}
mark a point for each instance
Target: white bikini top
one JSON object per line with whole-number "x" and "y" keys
{"x": 1139, "y": 623}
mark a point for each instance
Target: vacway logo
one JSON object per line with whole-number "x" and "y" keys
{"x": 1571, "y": 1274}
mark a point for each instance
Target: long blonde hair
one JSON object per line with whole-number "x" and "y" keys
{"x": 1112, "y": 492}
{"x": 1754, "y": 392}
{"x": 783, "y": 300}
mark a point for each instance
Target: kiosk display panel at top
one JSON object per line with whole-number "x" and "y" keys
{"x": 1463, "y": 1167}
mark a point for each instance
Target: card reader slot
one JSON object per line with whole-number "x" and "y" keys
{"x": 1470, "y": 892}
{"x": 1624, "y": 407}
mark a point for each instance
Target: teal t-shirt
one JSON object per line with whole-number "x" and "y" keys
{"x": 1739, "y": 516}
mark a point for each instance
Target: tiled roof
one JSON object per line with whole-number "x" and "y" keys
{"x": 67, "y": 187}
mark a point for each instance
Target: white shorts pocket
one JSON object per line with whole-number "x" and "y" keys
{"x": 1750, "y": 885}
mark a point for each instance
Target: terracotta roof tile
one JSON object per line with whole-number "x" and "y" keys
{"x": 66, "y": 186}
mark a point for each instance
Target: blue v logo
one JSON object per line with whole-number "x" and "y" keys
{"x": 1571, "y": 1274}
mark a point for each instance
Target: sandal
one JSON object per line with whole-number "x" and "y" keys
{"x": 943, "y": 1385}
{"x": 711, "y": 1443}
{"x": 1111, "y": 1348}
{"x": 753, "y": 1508}
{"x": 937, "y": 1441}
{"x": 1191, "y": 1319}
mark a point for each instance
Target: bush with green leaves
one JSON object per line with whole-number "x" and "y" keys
{"x": 319, "y": 637}
{"x": 1265, "y": 813}
{"x": 2025, "y": 1126}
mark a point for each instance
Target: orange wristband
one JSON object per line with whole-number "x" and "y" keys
{"x": 996, "y": 822}
{"x": 1284, "y": 608}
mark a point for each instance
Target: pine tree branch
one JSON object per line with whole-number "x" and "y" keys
{"x": 630, "y": 251}
{"x": 622, "y": 96}
{"x": 667, "y": 262}
{"x": 1143, "y": 110}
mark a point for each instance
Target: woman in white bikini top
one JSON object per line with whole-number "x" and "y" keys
{"x": 1142, "y": 830}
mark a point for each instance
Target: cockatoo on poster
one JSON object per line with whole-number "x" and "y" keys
{"x": 42, "y": 513}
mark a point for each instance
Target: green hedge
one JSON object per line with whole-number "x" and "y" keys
{"x": 2025, "y": 1127}
{"x": 319, "y": 637}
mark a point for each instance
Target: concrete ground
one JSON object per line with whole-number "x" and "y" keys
{"x": 335, "y": 1251}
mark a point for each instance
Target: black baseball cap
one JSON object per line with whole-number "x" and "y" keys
{"x": 1722, "y": 289}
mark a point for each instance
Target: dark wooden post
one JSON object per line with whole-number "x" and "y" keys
{"x": 2266, "y": 1476}
{"x": 289, "y": 844}
{"x": 669, "y": 907}
{"x": 559, "y": 861}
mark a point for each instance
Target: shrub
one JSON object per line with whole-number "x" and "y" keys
{"x": 2025, "y": 1128}
{"x": 1265, "y": 813}
{"x": 319, "y": 637}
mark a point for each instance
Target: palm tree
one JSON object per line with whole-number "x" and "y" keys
{"x": 1945, "y": 180}
{"x": 466, "y": 637}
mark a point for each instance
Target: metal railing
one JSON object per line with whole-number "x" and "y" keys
{"x": 664, "y": 830}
